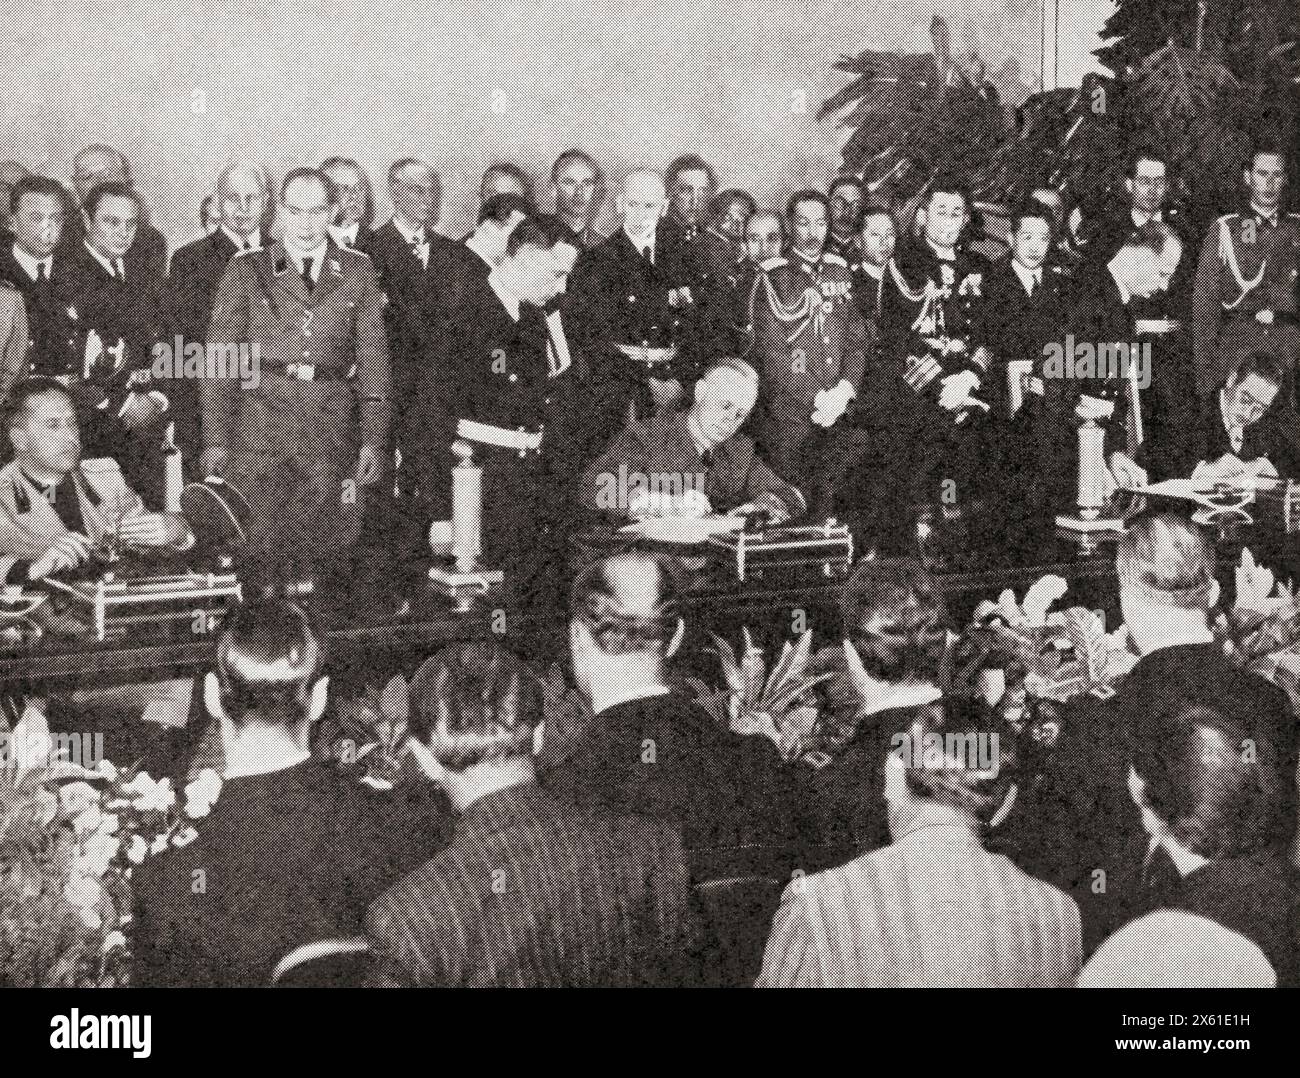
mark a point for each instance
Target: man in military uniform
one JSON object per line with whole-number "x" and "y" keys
{"x": 717, "y": 267}
{"x": 690, "y": 183}
{"x": 120, "y": 317}
{"x": 311, "y": 314}
{"x": 633, "y": 308}
{"x": 928, "y": 406}
{"x": 510, "y": 368}
{"x": 847, "y": 202}
{"x": 1245, "y": 295}
{"x": 809, "y": 345}
{"x": 579, "y": 187}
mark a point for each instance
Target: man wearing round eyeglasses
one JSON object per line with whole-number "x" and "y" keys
{"x": 305, "y": 318}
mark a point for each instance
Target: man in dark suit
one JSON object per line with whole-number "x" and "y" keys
{"x": 27, "y": 263}
{"x": 291, "y": 851}
{"x": 532, "y": 891}
{"x": 1237, "y": 431}
{"x": 507, "y": 371}
{"x": 242, "y": 199}
{"x": 633, "y": 307}
{"x": 1092, "y": 842}
{"x": 412, "y": 263}
{"x": 643, "y": 749}
{"x": 146, "y": 261}
{"x": 120, "y": 319}
{"x": 356, "y": 212}
{"x": 659, "y": 466}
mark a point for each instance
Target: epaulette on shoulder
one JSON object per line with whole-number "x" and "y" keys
{"x": 1227, "y": 217}
{"x": 775, "y": 262}
{"x": 834, "y": 260}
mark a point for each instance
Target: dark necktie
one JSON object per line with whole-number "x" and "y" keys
{"x": 41, "y": 276}
{"x": 707, "y": 458}
{"x": 306, "y": 274}
{"x": 118, "y": 271}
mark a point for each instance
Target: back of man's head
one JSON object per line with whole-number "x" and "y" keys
{"x": 475, "y": 702}
{"x": 269, "y": 657}
{"x": 500, "y": 208}
{"x": 1169, "y": 560}
{"x": 1216, "y": 761}
{"x": 628, "y": 603}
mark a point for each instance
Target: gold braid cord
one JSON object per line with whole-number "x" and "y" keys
{"x": 1228, "y": 256}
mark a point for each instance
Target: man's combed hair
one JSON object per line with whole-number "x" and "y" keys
{"x": 331, "y": 189}
{"x": 1213, "y": 768}
{"x": 543, "y": 231}
{"x": 720, "y": 204}
{"x": 508, "y": 168}
{"x": 950, "y": 742}
{"x": 1144, "y": 153}
{"x": 1169, "y": 558}
{"x": 110, "y": 189}
{"x": 806, "y": 195}
{"x": 1261, "y": 365}
{"x": 688, "y": 162}
{"x": 475, "y": 702}
{"x": 37, "y": 185}
{"x": 15, "y": 405}
{"x": 1031, "y": 208}
{"x": 269, "y": 655}
{"x": 601, "y": 600}
{"x": 576, "y": 154}
{"x": 895, "y": 618}
{"x": 500, "y": 208}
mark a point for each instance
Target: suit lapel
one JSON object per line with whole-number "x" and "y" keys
{"x": 331, "y": 276}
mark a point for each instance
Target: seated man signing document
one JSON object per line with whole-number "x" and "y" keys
{"x": 54, "y": 508}
{"x": 692, "y": 463}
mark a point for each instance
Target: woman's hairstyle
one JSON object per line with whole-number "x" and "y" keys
{"x": 958, "y": 752}
{"x": 1169, "y": 559}
{"x": 269, "y": 655}
{"x": 1214, "y": 759}
{"x": 628, "y": 602}
{"x": 894, "y": 616}
{"x": 474, "y": 702}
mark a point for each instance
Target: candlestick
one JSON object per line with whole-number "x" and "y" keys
{"x": 466, "y": 508}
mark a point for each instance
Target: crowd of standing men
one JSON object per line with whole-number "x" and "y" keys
{"x": 898, "y": 362}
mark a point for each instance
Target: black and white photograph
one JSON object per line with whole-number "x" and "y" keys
{"x": 680, "y": 495}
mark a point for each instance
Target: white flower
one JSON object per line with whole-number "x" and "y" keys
{"x": 76, "y": 797}
{"x": 88, "y": 820}
{"x": 150, "y": 795}
{"x": 201, "y": 793}
{"x": 108, "y": 769}
{"x": 1040, "y": 596}
{"x": 83, "y": 892}
{"x": 98, "y": 851}
{"x": 138, "y": 850}
{"x": 113, "y": 939}
{"x": 158, "y": 844}
{"x": 184, "y": 836}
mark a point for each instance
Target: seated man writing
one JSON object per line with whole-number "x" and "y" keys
{"x": 694, "y": 462}
{"x": 54, "y": 508}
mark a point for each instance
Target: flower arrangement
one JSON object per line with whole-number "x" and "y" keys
{"x": 1261, "y": 632}
{"x": 778, "y": 705}
{"x": 368, "y": 734}
{"x": 70, "y": 836}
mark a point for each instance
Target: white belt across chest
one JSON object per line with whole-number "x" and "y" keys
{"x": 503, "y": 437}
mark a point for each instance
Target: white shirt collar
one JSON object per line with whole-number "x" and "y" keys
{"x": 876, "y": 273}
{"x": 317, "y": 256}
{"x": 121, "y": 265}
{"x": 1027, "y": 275}
{"x": 251, "y": 243}
{"x": 345, "y": 235}
{"x": 30, "y": 265}
{"x": 636, "y": 692}
{"x": 507, "y": 301}
{"x": 1140, "y": 219}
{"x": 1124, "y": 294}
{"x": 411, "y": 233}
{"x": 472, "y": 244}
{"x": 645, "y": 244}
{"x": 1272, "y": 218}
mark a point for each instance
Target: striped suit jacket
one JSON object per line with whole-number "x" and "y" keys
{"x": 935, "y": 909}
{"x": 534, "y": 893}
